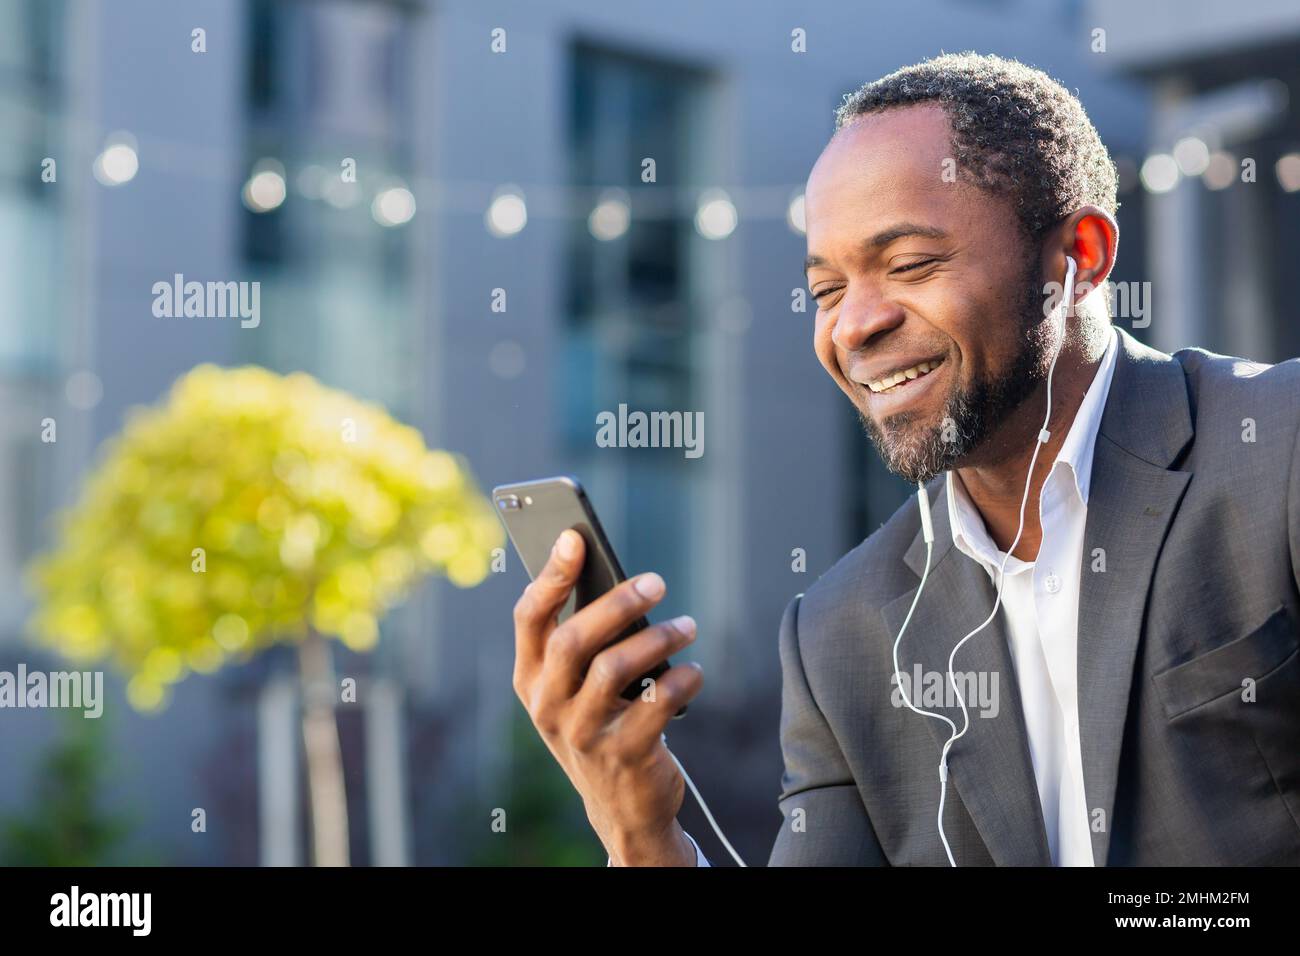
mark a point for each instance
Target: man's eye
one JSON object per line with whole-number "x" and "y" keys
{"x": 915, "y": 265}
{"x": 822, "y": 293}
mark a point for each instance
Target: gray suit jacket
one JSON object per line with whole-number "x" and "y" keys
{"x": 1188, "y": 671}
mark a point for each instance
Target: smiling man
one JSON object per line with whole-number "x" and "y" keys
{"x": 1135, "y": 597}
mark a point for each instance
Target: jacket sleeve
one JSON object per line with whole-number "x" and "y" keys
{"x": 1293, "y": 510}
{"x": 824, "y": 822}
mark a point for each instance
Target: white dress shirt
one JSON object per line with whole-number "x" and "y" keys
{"x": 1040, "y": 606}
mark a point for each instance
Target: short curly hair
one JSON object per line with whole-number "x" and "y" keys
{"x": 1016, "y": 132}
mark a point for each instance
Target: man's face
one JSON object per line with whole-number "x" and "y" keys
{"x": 921, "y": 276}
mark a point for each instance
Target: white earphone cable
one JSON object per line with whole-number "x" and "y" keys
{"x": 703, "y": 806}
{"x": 924, "y": 505}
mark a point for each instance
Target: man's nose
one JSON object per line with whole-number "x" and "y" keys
{"x": 862, "y": 316}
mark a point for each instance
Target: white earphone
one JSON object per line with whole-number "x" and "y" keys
{"x": 927, "y": 532}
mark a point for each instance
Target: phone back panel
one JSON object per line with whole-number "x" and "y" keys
{"x": 545, "y": 508}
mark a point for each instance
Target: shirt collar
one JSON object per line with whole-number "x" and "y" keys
{"x": 1081, "y": 440}
{"x": 968, "y": 531}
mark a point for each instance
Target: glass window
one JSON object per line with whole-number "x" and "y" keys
{"x": 33, "y": 282}
{"x": 336, "y": 296}
{"x": 632, "y": 322}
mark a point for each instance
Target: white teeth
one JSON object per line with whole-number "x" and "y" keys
{"x": 916, "y": 371}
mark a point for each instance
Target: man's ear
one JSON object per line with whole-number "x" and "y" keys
{"x": 1091, "y": 236}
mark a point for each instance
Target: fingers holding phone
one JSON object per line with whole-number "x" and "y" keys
{"x": 538, "y": 608}
{"x": 585, "y": 663}
{"x": 619, "y": 663}
{"x": 672, "y": 691}
{"x": 593, "y": 673}
{"x": 571, "y": 677}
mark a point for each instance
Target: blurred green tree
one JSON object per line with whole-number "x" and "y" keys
{"x": 545, "y": 821}
{"x": 66, "y": 826}
{"x": 247, "y": 509}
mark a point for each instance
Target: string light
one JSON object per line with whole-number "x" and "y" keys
{"x": 794, "y": 215}
{"x": 265, "y": 189}
{"x": 393, "y": 206}
{"x": 118, "y": 162}
{"x": 716, "y": 217}
{"x": 1220, "y": 171}
{"x": 611, "y": 216}
{"x": 508, "y": 213}
{"x": 1159, "y": 173}
{"x": 1288, "y": 172}
{"x": 1192, "y": 155}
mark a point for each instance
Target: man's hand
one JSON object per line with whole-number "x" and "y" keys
{"x": 571, "y": 684}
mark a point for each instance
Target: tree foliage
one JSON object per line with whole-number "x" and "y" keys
{"x": 242, "y": 510}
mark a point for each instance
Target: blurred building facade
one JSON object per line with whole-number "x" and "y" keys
{"x": 1224, "y": 223}
{"x": 522, "y": 135}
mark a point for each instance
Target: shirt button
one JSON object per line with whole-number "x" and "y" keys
{"x": 1052, "y": 583}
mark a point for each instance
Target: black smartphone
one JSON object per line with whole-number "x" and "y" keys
{"x": 535, "y": 513}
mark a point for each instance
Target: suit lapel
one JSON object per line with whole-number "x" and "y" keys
{"x": 990, "y": 766}
{"x": 1131, "y": 503}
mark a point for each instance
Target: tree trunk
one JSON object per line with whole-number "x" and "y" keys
{"x": 320, "y": 733}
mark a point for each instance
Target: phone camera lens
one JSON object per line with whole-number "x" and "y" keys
{"x": 508, "y": 502}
